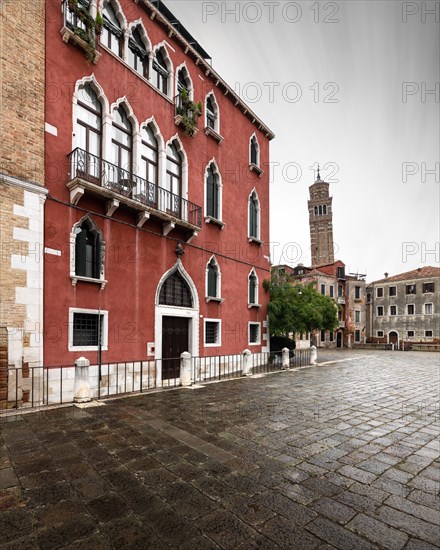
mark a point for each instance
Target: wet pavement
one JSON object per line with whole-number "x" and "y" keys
{"x": 344, "y": 455}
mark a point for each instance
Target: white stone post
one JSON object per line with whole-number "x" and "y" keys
{"x": 285, "y": 358}
{"x": 247, "y": 363}
{"x": 185, "y": 368}
{"x": 81, "y": 392}
{"x": 313, "y": 355}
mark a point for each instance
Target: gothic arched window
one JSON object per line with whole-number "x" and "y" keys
{"x": 176, "y": 292}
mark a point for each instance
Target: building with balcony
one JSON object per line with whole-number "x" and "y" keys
{"x": 404, "y": 309}
{"x": 157, "y": 219}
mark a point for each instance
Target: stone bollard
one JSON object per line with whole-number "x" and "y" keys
{"x": 185, "y": 368}
{"x": 81, "y": 392}
{"x": 285, "y": 361}
{"x": 247, "y": 363}
{"x": 313, "y": 355}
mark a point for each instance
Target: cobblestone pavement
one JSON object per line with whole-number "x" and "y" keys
{"x": 344, "y": 455}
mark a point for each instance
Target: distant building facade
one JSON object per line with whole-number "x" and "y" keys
{"x": 329, "y": 276}
{"x": 405, "y": 309}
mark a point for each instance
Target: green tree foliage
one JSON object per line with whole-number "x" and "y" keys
{"x": 298, "y": 308}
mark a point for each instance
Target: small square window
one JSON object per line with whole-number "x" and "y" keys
{"x": 428, "y": 287}
{"x": 410, "y": 289}
{"x": 88, "y": 330}
{"x": 392, "y": 291}
{"x": 393, "y": 310}
{"x": 254, "y": 333}
{"x": 410, "y": 309}
{"x": 428, "y": 333}
{"x": 429, "y": 310}
{"x": 379, "y": 292}
{"x": 379, "y": 333}
{"x": 410, "y": 334}
{"x": 380, "y": 311}
{"x": 212, "y": 333}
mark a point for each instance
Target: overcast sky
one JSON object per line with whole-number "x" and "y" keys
{"x": 350, "y": 90}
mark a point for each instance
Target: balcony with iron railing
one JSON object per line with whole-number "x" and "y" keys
{"x": 94, "y": 175}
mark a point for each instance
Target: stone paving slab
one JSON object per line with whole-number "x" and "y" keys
{"x": 343, "y": 455}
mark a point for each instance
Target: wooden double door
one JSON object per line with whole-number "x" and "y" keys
{"x": 175, "y": 340}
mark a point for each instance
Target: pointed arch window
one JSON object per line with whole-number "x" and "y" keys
{"x": 149, "y": 165}
{"x": 316, "y": 210}
{"x": 213, "y": 283}
{"x": 324, "y": 210}
{"x": 176, "y": 292}
{"x": 255, "y": 151}
{"x": 174, "y": 179}
{"x": 122, "y": 140}
{"x": 252, "y": 288}
{"x": 254, "y": 216}
{"x": 88, "y": 261}
{"x": 211, "y": 113}
{"x": 112, "y": 33}
{"x": 137, "y": 53}
{"x": 160, "y": 71}
{"x": 183, "y": 82}
{"x": 88, "y": 133}
{"x": 212, "y": 193}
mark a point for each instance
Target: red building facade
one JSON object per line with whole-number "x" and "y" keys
{"x": 156, "y": 234}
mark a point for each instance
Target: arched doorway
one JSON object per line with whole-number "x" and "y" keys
{"x": 393, "y": 338}
{"x": 176, "y": 322}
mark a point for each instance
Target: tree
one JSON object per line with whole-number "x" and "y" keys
{"x": 298, "y": 308}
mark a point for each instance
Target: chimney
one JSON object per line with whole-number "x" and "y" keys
{"x": 386, "y": 275}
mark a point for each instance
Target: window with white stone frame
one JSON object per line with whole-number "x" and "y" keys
{"x": 88, "y": 329}
{"x": 379, "y": 311}
{"x": 410, "y": 309}
{"x": 393, "y": 310}
{"x": 429, "y": 309}
{"x": 254, "y": 337}
{"x": 428, "y": 334}
{"x": 213, "y": 281}
{"x": 212, "y": 333}
{"x": 410, "y": 334}
{"x": 379, "y": 333}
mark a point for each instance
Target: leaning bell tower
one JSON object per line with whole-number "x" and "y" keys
{"x": 321, "y": 223}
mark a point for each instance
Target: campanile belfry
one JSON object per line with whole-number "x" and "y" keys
{"x": 321, "y": 223}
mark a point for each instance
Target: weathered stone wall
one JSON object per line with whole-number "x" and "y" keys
{"x": 22, "y": 97}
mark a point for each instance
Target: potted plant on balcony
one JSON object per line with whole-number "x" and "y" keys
{"x": 99, "y": 22}
{"x": 188, "y": 113}
{"x": 73, "y": 4}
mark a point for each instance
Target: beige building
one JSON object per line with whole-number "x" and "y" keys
{"x": 404, "y": 309}
{"x": 22, "y": 192}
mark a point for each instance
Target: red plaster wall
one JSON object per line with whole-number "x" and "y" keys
{"x": 136, "y": 258}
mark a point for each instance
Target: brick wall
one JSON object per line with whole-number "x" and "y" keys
{"x": 22, "y": 96}
{"x": 22, "y": 79}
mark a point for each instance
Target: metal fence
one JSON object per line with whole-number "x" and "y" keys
{"x": 36, "y": 387}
